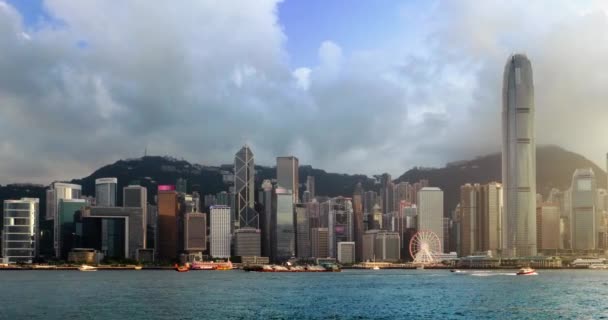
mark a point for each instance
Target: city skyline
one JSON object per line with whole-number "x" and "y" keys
{"x": 425, "y": 87}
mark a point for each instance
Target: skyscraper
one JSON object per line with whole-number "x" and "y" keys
{"x": 244, "y": 175}
{"x": 310, "y": 186}
{"x": 219, "y": 232}
{"x": 583, "y": 223}
{"x": 519, "y": 157}
{"x": 430, "y": 211}
{"x": 386, "y": 193}
{"x": 287, "y": 175}
{"x": 105, "y": 192}
{"x": 20, "y": 236}
{"x": 358, "y": 221}
{"x": 284, "y": 229}
{"x": 302, "y": 231}
{"x": 268, "y": 201}
{"x": 168, "y": 229}
{"x": 340, "y": 222}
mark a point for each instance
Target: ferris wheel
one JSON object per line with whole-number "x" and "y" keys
{"x": 425, "y": 246}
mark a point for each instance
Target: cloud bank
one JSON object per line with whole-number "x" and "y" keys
{"x": 97, "y": 83}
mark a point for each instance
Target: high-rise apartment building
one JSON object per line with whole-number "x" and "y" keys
{"x": 430, "y": 211}
{"x": 519, "y": 157}
{"x": 288, "y": 176}
{"x": 244, "y": 177}
{"x": 20, "y": 232}
{"x": 105, "y": 192}
{"x": 219, "y": 231}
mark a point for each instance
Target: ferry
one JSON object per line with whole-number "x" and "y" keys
{"x": 598, "y": 266}
{"x": 84, "y": 267}
{"x": 526, "y": 271}
{"x": 457, "y": 271}
{"x": 210, "y": 265}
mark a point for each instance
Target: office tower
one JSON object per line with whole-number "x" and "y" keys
{"x": 310, "y": 186}
{"x": 57, "y": 192}
{"x": 64, "y": 220}
{"x": 223, "y": 199}
{"x": 468, "y": 219}
{"x": 548, "y": 227}
{"x": 181, "y": 185}
{"x": 268, "y": 201}
{"x": 195, "y": 232}
{"x": 287, "y": 175}
{"x": 319, "y": 242}
{"x": 339, "y": 212}
{"x": 168, "y": 230}
{"x": 20, "y": 233}
{"x": 247, "y": 242}
{"x": 302, "y": 231}
{"x": 219, "y": 231}
{"x": 370, "y": 199}
{"x": 209, "y": 200}
{"x": 117, "y": 232}
{"x": 519, "y": 157}
{"x": 480, "y": 218}
{"x": 244, "y": 175}
{"x": 387, "y": 246}
{"x": 346, "y": 252}
{"x": 583, "y": 223}
{"x": 386, "y": 193}
{"x": 306, "y": 197}
{"x": 105, "y": 192}
{"x": 151, "y": 226}
{"x": 430, "y": 211}
{"x": 135, "y": 196}
{"x": 375, "y": 219}
{"x": 358, "y": 227}
{"x": 284, "y": 230}
{"x": 369, "y": 241}
{"x": 601, "y": 218}
{"x": 493, "y": 217}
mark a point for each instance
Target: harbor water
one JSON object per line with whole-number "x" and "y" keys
{"x": 351, "y": 294}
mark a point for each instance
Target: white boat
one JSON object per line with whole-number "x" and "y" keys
{"x": 526, "y": 271}
{"x": 376, "y": 268}
{"x": 598, "y": 266}
{"x": 84, "y": 267}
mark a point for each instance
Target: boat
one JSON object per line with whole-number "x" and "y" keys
{"x": 526, "y": 271}
{"x": 137, "y": 268}
{"x": 420, "y": 267}
{"x": 376, "y": 268}
{"x": 210, "y": 265}
{"x": 456, "y": 271}
{"x": 181, "y": 268}
{"x": 85, "y": 267}
{"x": 598, "y": 266}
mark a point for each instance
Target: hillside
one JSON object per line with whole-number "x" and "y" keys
{"x": 554, "y": 169}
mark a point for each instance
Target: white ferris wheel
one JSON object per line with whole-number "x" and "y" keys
{"x": 425, "y": 247}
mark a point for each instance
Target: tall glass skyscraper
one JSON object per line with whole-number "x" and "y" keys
{"x": 287, "y": 175}
{"x": 105, "y": 192}
{"x": 519, "y": 157}
{"x": 20, "y": 236}
{"x": 244, "y": 174}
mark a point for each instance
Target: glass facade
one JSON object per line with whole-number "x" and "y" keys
{"x": 285, "y": 233}
{"x": 19, "y": 237}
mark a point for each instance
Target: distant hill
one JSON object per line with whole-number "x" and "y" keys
{"x": 554, "y": 169}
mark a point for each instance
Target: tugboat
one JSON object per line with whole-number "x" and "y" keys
{"x": 181, "y": 268}
{"x": 526, "y": 271}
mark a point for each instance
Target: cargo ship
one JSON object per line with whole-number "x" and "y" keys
{"x": 211, "y": 265}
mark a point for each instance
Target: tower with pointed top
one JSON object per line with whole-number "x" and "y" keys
{"x": 244, "y": 175}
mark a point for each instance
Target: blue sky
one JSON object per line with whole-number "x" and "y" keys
{"x": 368, "y": 87}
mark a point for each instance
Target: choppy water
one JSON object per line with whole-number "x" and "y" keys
{"x": 351, "y": 294}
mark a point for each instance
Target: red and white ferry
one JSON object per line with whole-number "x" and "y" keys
{"x": 210, "y": 265}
